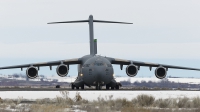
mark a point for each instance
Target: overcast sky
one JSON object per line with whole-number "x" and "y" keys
{"x": 163, "y": 31}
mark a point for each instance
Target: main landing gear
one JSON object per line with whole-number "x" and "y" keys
{"x": 113, "y": 87}
{"x": 82, "y": 87}
{"x": 73, "y": 86}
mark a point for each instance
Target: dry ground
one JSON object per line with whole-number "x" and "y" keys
{"x": 142, "y": 103}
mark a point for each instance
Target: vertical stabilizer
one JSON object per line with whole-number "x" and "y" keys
{"x": 95, "y": 46}
{"x": 91, "y": 31}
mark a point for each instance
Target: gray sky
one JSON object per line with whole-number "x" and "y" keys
{"x": 164, "y": 31}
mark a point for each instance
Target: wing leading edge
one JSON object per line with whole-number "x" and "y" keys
{"x": 51, "y": 63}
{"x": 139, "y": 63}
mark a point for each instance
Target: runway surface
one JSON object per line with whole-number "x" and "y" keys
{"x": 58, "y": 89}
{"x": 87, "y": 89}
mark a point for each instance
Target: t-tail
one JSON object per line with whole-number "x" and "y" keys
{"x": 93, "y": 42}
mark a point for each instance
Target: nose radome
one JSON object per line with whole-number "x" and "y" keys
{"x": 98, "y": 73}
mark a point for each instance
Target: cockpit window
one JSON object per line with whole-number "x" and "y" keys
{"x": 98, "y": 64}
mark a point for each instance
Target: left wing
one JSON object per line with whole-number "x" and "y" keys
{"x": 139, "y": 63}
{"x": 51, "y": 63}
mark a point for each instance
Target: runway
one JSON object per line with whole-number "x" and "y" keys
{"x": 86, "y": 89}
{"x": 59, "y": 89}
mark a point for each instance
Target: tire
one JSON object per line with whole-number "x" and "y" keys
{"x": 82, "y": 87}
{"x": 117, "y": 87}
{"x": 57, "y": 86}
{"x": 112, "y": 88}
{"x": 97, "y": 88}
{"x": 100, "y": 87}
{"x": 77, "y": 87}
{"x": 72, "y": 86}
{"x": 107, "y": 87}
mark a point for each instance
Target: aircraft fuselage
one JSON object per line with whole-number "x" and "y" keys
{"x": 94, "y": 70}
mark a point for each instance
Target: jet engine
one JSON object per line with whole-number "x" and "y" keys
{"x": 131, "y": 70}
{"x": 62, "y": 70}
{"x": 32, "y": 72}
{"x": 160, "y": 72}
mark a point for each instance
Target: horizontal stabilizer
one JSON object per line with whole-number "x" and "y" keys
{"x": 102, "y": 21}
{"x": 81, "y": 21}
{"x": 78, "y": 21}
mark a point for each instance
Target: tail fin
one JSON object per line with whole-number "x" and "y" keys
{"x": 90, "y": 21}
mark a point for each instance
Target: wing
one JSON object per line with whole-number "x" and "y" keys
{"x": 51, "y": 63}
{"x": 139, "y": 63}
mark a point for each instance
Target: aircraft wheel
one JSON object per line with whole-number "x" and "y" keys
{"x": 100, "y": 87}
{"x": 107, "y": 87}
{"x": 97, "y": 87}
{"x": 72, "y": 86}
{"x": 82, "y": 87}
{"x": 112, "y": 88}
{"x": 117, "y": 87}
{"x": 57, "y": 86}
{"x": 77, "y": 87}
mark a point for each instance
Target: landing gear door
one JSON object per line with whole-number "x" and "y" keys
{"x": 79, "y": 68}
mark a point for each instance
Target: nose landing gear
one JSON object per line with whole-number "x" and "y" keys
{"x": 98, "y": 86}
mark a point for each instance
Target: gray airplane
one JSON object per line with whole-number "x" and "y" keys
{"x": 95, "y": 70}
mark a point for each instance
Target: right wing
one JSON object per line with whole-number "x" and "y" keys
{"x": 50, "y": 63}
{"x": 148, "y": 64}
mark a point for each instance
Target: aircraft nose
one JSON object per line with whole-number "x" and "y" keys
{"x": 98, "y": 74}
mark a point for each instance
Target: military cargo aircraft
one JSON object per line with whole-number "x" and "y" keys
{"x": 95, "y": 70}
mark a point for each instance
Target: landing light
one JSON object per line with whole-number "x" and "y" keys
{"x": 113, "y": 75}
{"x": 81, "y": 74}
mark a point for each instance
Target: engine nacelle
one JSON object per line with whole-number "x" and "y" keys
{"x": 62, "y": 70}
{"x": 131, "y": 70}
{"x": 160, "y": 72}
{"x": 32, "y": 72}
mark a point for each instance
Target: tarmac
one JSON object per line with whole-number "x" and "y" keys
{"x": 58, "y": 89}
{"x": 86, "y": 89}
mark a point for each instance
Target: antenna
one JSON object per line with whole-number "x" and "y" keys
{"x": 91, "y": 31}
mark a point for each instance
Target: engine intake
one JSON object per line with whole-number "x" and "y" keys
{"x": 131, "y": 70}
{"x": 62, "y": 70}
{"x": 32, "y": 72}
{"x": 160, "y": 72}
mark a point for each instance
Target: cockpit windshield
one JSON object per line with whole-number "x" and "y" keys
{"x": 98, "y": 64}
